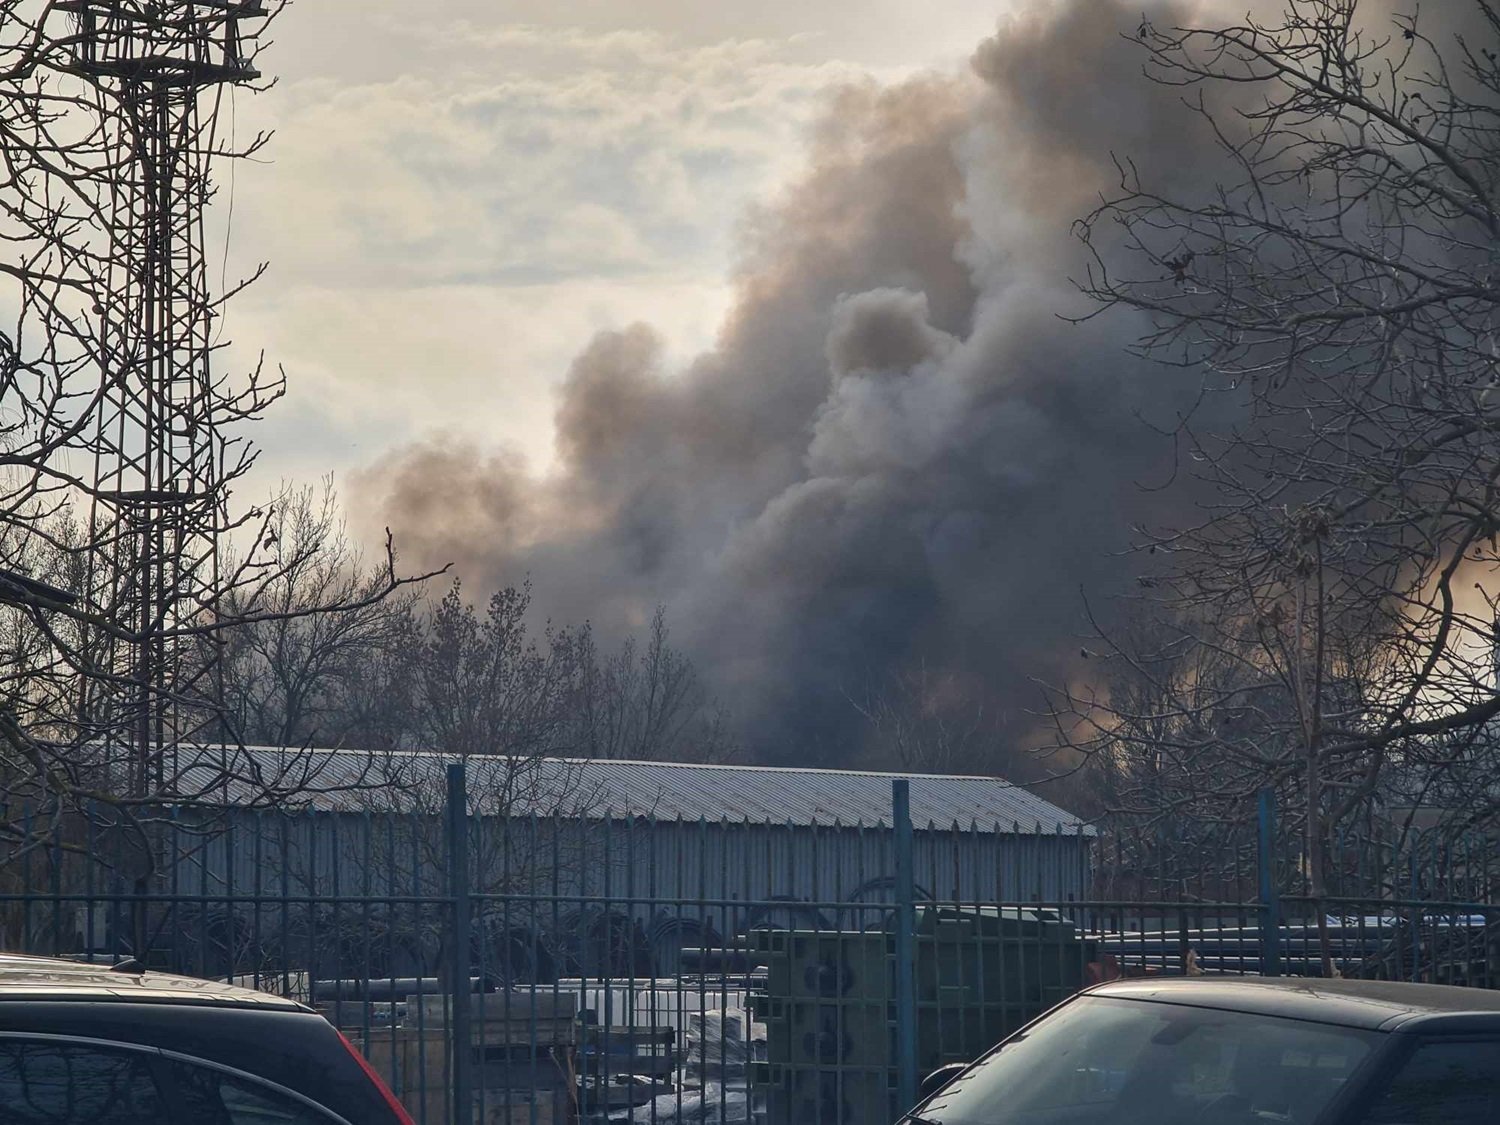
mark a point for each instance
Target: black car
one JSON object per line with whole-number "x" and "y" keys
{"x": 1242, "y": 1051}
{"x": 89, "y": 1045}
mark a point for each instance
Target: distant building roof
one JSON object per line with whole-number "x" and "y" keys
{"x": 597, "y": 788}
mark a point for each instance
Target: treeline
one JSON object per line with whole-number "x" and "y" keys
{"x": 450, "y": 669}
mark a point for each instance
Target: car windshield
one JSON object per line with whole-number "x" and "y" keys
{"x": 1101, "y": 1061}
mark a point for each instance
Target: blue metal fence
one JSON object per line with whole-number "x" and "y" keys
{"x": 547, "y": 971}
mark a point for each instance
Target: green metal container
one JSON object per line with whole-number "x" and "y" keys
{"x": 830, "y": 1014}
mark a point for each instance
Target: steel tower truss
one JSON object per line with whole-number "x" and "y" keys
{"x": 156, "y": 71}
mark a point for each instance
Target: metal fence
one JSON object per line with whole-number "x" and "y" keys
{"x": 540, "y": 972}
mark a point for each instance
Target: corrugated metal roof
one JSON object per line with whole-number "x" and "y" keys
{"x": 345, "y": 779}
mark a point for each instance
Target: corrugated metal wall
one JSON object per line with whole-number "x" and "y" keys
{"x": 638, "y": 867}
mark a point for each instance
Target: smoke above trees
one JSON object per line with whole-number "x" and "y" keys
{"x": 907, "y": 451}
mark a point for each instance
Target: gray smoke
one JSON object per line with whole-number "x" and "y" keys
{"x": 899, "y": 454}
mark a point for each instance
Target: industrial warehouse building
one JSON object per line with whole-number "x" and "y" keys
{"x": 681, "y": 850}
{"x": 710, "y": 831}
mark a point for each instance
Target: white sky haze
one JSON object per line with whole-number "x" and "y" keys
{"x": 458, "y": 195}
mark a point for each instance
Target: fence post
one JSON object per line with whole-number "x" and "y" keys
{"x": 1270, "y": 902}
{"x": 458, "y": 889}
{"x": 906, "y": 990}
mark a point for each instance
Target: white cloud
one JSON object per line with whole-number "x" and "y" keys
{"x": 453, "y": 204}
{"x": 378, "y": 366}
{"x": 514, "y": 163}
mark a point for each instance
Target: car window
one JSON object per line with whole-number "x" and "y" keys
{"x": 1443, "y": 1083}
{"x": 54, "y": 1083}
{"x": 1102, "y": 1061}
{"x": 212, "y": 1097}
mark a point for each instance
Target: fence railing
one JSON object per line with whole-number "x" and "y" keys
{"x": 576, "y": 973}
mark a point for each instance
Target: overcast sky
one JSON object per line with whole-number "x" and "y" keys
{"x": 459, "y": 194}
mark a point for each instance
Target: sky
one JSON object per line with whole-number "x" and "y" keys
{"x": 459, "y": 195}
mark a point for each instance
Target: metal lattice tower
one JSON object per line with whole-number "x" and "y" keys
{"x": 156, "y": 71}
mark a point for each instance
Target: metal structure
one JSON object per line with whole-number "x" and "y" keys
{"x": 723, "y": 832}
{"x": 155, "y": 72}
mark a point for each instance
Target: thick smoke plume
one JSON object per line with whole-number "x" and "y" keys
{"x": 900, "y": 454}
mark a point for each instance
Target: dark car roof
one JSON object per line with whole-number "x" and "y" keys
{"x": 1373, "y": 1004}
{"x": 48, "y": 978}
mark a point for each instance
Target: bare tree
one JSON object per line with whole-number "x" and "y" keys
{"x": 925, "y": 722}
{"x": 322, "y": 679}
{"x": 1337, "y": 287}
{"x": 484, "y": 685}
{"x": 647, "y": 703}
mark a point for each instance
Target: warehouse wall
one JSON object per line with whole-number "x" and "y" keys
{"x": 637, "y": 866}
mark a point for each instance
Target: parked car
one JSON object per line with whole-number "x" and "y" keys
{"x": 88, "y": 1044}
{"x": 1245, "y": 1051}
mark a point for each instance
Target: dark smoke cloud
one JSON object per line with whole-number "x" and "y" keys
{"x": 898, "y": 453}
